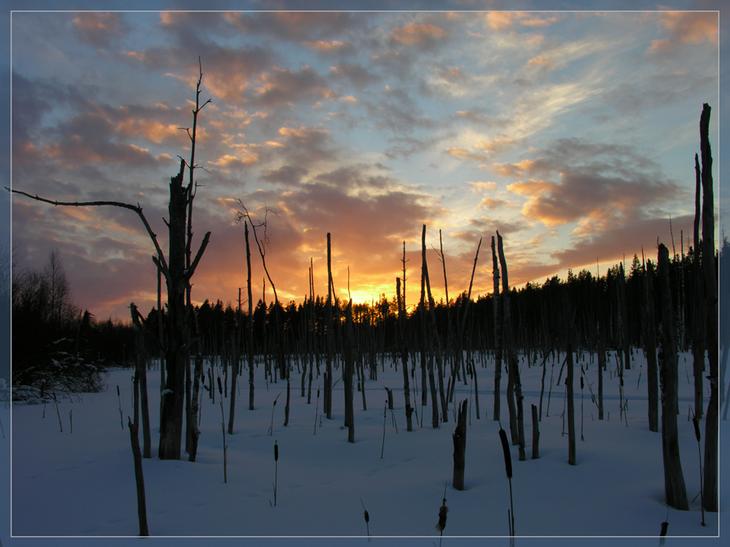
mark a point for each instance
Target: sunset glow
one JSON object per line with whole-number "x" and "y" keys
{"x": 573, "y": 134}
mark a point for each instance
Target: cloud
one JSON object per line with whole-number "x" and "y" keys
{"x": 501, "y": 20}
{"x": 227, "y": 71}
{"x": 328, "y": 46}
{"x": 482, "y": 185}
{"x": 355, "y": 74}
{"x": 297, "y": 26}
{"x": 685, "y": 28}
{"x": 288, "y": 175}
{"x": 417, "y": 34}
{"x": 592, "y": 184}
{"x": 282, "y": 86}
{"x": 624, "y": 238}
{"x": 492, "y": 203}
{"x": 91, "y": 138}
{"x": 98, "y": 28}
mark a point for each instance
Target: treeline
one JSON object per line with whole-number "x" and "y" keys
{"x": 56, "y": 346}
{"x": 614, "y": 298}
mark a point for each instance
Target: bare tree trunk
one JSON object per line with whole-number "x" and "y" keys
{"x": 698, "y": 307}
{"x": 535, "y": 434}
{"x": 674, "y": 489}
{"x": 459, "y": 438}
{"x": 497, "y": 312}
{"x": 140, "y": 380}
{"x": 650, "y": 349}
{"x": 249, "y": 321}
{"x": 514, "y": 371}
{"x": 329, "y": 339}
{"x": 177, "y": 332}
{"x": 139, "y": 480}
{"x": 709, "y": 495}
{"x": 404, "y": 355}
{"x": 571, "y": 406}
{"x": 601, "y": 368}
{"x": 195, "y": 407}
{"x": 348, "y": 374}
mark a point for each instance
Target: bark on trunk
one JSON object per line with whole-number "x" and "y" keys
{"x": 709, "y": 495}
{"x": 459, "y": 438}
{"x": 674, "y": 488}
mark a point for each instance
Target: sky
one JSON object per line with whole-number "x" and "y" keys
{"x": 573, "y": 134}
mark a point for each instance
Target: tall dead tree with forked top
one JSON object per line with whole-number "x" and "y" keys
{"x": 709, "y": 495}
{"x": 177, "y": 275}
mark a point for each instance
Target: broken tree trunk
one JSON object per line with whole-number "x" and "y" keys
{"x": 329, "y": 336}
{"x": 404, "y": 355}
{"x": 138, "y": 479}
{"x": 348, "y": 375}
{"x": 517, "y": 423}
{"x": 674, "y": 488}
{"x": 496, "y": 307}
{"x": 249, "y": 321}
{"x": 140, "y": 376}
{"x": 709, "y": 494}
{"x": 459, "y": 438}
{"x": 571, "y": 405}
{"x": 535, "y": 434}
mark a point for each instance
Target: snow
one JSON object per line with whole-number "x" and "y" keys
{"x": 82, "y": 483}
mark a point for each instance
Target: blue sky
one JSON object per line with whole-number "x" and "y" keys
{"x": 571, "y": 133}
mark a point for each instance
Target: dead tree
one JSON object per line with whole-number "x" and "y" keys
{"x": 698, "y": 317}
{"x": 249, "y": 321}
{"x": 329, "y": 336}
{"x": 404, "y": 354}
{"x": 571, "y": 405}
{"x": 426, "y": 337}
{"x": 177, "y": 278}
{"x": 496, "y": 307}
{"x": 140, "y": 380}
{"x": 674, "y": 488}
{"x": 459, "y": 438}
{"x": 139, "y": 480}
{"x": 192, "y": 188}
{"x": 517, "y": 424}
{"x": 348, "y": 351}
{"x": 535, "y": 434}
{"x": 462, "y": 327}
{"x": 649, "y": 322}
{"x": 710, "y": 495}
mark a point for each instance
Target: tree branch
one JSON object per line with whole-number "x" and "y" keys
{"x": 103, "y": 203}
{"x": 198, "y": 256}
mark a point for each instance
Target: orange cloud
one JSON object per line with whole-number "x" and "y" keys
{"x": 152, "y": 130}
{"x": 685, "y": 28}
{"x": 500, "y": 20}
{"x": 327, "y": 46}
{"x": 413, "y": 34}
{"x": 482, "y": 185}
{"x": 98, "y": 28}
{"x": 492, "y": 203}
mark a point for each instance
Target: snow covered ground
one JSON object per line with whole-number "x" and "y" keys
{"x": 82, "y": 483}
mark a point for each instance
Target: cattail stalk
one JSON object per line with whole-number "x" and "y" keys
{"x": 276, "y": 470}
{"x": 366, "y": 515}
{"x": 385, "y": 414}
{"x": 443, "y": 513}
{"x": 316, "y": 411}
{"x": 508, "y": 472}
{"x": 119, "y": 400}
{"x": 58, "y": 413}
{"x": 273, "y": 407}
